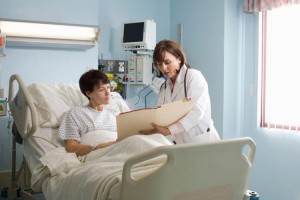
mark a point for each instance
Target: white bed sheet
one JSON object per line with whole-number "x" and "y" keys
{"x": 43, "y": 141}
{"x": 99, "y": 177}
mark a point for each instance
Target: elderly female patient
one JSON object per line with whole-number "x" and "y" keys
{"x": 80, "y": 120}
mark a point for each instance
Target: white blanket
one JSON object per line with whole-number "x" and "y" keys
{"x": 100, "y": 175}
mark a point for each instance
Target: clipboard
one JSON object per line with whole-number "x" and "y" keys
{"x": 130, "y": 123}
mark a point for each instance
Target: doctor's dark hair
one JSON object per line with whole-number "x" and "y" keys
{"x": 168, "y": 46}
{"x": 90, "y": 79}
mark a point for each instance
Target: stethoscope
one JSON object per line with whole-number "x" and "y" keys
{"x": 184, "y": 82}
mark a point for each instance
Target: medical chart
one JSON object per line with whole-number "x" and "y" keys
{"x": 130, "y": 123}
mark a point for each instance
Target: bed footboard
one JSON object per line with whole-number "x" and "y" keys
{"x": 22, "y": 107}
{"x": 214, "y": 170}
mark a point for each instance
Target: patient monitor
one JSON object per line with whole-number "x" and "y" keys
{"x": 140, "y": 38}
{"x": 139, "y": 35}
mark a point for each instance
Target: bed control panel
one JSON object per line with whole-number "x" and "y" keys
{"x": 3, "y": 107}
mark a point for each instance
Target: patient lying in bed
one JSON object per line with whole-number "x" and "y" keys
{"x": 81, "y": 120}
{"x": 89, "y": 132}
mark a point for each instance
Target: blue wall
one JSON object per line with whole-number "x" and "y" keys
{"x": 48, "y": 65}
{"x": 203, "y": 43}
{"x": 219, "y": 39}
{"x": 111, "y": 16}
{"x": 115, "y": 12}
{"x": 276, "y": 169}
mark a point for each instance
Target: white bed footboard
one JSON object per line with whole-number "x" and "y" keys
{"x": 214, "y": 171}
{"x": 22, "y": 107}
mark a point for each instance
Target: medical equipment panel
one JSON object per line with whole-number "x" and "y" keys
{"x": 143, "y": 69}
{"x": 131, "y": 75}
{"x": 3, "y": 103}
{"x": 139, "y": 70}
{"x": 2, "y": 44}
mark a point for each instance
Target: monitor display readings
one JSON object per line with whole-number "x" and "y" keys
{"x": 133, "y": 32}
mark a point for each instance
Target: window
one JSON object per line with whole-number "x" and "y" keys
{"x": 280, "y": 97}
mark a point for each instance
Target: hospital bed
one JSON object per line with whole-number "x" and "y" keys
{"x": 159, "y": 170}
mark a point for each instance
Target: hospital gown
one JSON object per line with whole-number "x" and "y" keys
{"x": 83, "y": 119}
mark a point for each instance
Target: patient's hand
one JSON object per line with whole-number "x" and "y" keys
{"x": 103, "y": 145}
{"x": 156, "y": 129}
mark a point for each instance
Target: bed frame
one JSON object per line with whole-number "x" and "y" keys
{"x": 208, "y": 171}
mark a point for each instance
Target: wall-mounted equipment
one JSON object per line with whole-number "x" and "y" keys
{"x": 116, "y": 71}
{"x": 38, "y": 34}
{"x": 131, "y": 73}
{"x": 2, "y": 45}
{"x": 139, "y": 70}
{"x": 139, "y": 35}
{"x": 113, "y": 66}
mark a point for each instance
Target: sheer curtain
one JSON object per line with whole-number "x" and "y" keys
{"x": 280, "y": 62}
{"x": 251, "y": 6}
{"x": 282, "y": 97}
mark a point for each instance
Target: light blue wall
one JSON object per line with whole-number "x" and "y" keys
{"x": 219, "y": 40}
{"x": 67, "y": 11}
{"x": 113, "y": 13}
{"x": 276, "y": 169}
{"x": 233, "y": 69}
{"x": 111, "y": 16}
{"x": 35, "y": 65}
{"x": 203, "y": 43}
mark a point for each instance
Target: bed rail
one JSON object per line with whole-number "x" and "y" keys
{"x": 193, "y": 170}
{"x": 22, "y": 107}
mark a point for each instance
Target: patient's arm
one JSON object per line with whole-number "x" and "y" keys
{"x": 74, "y": 146}
{"x": 83, "y": 149}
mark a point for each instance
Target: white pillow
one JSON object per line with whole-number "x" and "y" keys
{"x": 52, "y": 100}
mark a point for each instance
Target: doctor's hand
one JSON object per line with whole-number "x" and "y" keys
{"x": 156, "y": 129}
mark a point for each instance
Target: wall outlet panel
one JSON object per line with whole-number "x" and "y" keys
{"x": 113, "y": 66}
{"x": 1, "y": 93}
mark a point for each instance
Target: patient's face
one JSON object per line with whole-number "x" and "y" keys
{"x": 169, "y": 66}
{"x": 100, "y": 94}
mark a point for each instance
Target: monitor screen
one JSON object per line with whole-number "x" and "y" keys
{"x": 133, "y": 32}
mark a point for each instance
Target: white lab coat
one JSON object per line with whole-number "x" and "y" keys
{"x": 198, "y": 125}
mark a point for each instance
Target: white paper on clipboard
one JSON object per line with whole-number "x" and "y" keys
{"x": 130, "y": 123}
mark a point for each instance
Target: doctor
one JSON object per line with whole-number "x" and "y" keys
{"x": 183, "y": 82}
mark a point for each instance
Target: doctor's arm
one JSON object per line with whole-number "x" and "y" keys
{"x": 156, "y": 129}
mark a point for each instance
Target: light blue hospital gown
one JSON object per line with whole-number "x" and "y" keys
{"x": 83, "y": 119}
